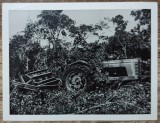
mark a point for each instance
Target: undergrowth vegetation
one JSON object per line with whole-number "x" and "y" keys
{"x": 125, "y": 98}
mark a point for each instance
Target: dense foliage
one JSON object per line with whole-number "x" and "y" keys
{"x": 130, "y": 98}
{"x": 55, "y": 28}
{"x": 67, "y": 42}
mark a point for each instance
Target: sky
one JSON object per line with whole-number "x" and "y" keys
{"x": 19, "y": 18}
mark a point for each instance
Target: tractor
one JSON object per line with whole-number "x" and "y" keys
{"x": 80, "y": 75}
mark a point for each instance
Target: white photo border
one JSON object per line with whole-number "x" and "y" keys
{"x": 6, "y": 7}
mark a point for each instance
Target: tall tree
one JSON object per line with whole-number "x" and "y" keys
{"x": 142, "y": 32}
{"x": 120, "y": 34}
{"x": 17, "y": 49}
{"x": 53, "y": 25}
{"x": 81, "y": 33}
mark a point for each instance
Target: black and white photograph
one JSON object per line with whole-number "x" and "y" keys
{"x": 81, "y": 62}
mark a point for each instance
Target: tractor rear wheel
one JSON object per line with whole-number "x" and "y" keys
{"x": 76, "y": 78}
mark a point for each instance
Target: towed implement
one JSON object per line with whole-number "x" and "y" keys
{"x": 80, "y": 75}
{"x": 38, "y": 79}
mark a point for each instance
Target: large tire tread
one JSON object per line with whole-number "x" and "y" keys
{"x": 78, "y": 67}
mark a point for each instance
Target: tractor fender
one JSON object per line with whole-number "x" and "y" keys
{"x": 79, "y": 62}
